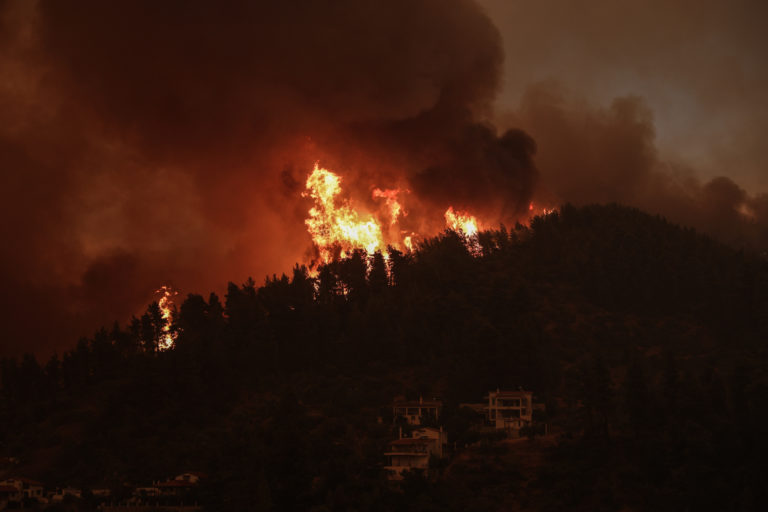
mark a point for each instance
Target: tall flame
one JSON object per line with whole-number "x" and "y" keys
{"x": 390, "y": 195}
{"x": 333, "y": 223}
{"x": 168, "y": 338}
{"x": 461, "y": 222}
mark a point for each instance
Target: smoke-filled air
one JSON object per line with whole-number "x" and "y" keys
{"x": 178, "y": 145}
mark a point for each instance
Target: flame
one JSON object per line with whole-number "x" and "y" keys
{"x": 543, "y": 211}
{"x": 334, "y": 223}
{"x": 167, "y": 339}
{"x": 461, "y": 222}
{"x": 390, "y": 195}
{"x": 408, "y": 242}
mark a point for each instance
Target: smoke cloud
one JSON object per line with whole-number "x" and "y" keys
{"x": 145, "y": 143}
{"x": 598, "y": 154}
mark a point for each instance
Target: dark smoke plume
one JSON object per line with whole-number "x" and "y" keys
{"x": 145, "y": 143}
{"x": 592, "y": 154}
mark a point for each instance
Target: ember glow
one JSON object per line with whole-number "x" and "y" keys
{"x": 168, "y": 338}
{"x": 460, "y": 221}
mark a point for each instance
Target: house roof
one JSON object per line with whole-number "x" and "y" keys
{"x": 8, "y": 488}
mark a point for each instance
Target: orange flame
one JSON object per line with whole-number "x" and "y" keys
{"x": 408, "y": 242}
{"x": 334, "y": 223}
{"x": 390, "y": 195}
{"x": 461, "y": 222}
{"x": 543, "y": 211}
{"x": 165, "y": 302}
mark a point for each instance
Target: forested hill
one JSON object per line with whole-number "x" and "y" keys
{"x": 645, "y": 340}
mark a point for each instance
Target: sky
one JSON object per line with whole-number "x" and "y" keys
{"x": 152, "y": 143}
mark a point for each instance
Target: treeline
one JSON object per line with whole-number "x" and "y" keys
{"x": 644, "y": 339}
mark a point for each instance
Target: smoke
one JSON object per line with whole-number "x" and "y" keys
{"x": 701, "y": 69}
{"x": 594, "y": 154}
{"x": 145, "y": 143}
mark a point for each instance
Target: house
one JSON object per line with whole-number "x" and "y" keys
{"x": 437, "y": 435}
{"x": 509, "y": 410}
{"x": 60, "y": 493}
{"x": 417, "y": 412}
{"x": 192, "y": 477}
{"x": 409, "y": 453}
{"x": 174, "y": 487}
{"x": 181, "y": 484}
{"x": 146, "y": 492}
{"x": 26, "y": 487}
{"x": 9, "y": 493}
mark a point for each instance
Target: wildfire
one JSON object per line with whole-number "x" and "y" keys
{"x": 544, "y": 211}
{"x": 408, "y": 242}
{"x": 333, "y": 223}
{"x": 165, "y": 302}
{"x": 337, "y": 229}
{"x": 461, "y": 222}
{"x": 390, "y": 195}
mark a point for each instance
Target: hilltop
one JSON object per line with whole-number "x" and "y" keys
{"x": 645, "y": 340}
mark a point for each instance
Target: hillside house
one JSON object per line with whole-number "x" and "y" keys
{"x": 509, "y": 410}
{"x": 26, "y": 487}
{"x": 9, "y": 494}
{"x": 408, "y": 453}
{"x": 59, "y": 494}
{"x": 417, "y": 412}
{"x": 180, "y": 485}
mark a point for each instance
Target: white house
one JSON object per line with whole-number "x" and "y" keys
{"x": 510, "y": 410}
{"x": 408, "y": 453}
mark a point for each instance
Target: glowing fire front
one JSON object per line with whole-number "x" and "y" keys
{"x": 167, "y": 338}
{"x": 333, "y": 223}
{"x": 337, "y": 229}
{"x": 461, "y": 222}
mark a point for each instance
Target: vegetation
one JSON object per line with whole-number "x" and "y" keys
{"x": 645, "y": 340}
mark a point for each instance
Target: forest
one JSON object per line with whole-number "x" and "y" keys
{"x": 645, "y": 340}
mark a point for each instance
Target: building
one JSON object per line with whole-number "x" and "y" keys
{"x": 180, "y": 485}
{"x": 26, "y": 487}
{"x": 437, "y": 435}
{"x": 9, "y": 494}
{"x": 417, "y": 412}
{"x": 61, "y": 493}
{"x": 409, "y": 453}
{"x": 510, "y": 410}
{"x": 174, "y": 487}
{"x": 192, "y": 477}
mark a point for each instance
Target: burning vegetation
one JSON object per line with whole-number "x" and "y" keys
{"x": 167, "y": 307}
{"x": 338, "y": 226}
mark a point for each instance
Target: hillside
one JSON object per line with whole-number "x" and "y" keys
{"x": 645, "y": 340}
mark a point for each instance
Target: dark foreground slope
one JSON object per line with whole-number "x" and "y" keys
{"x": 645, "y": 340}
